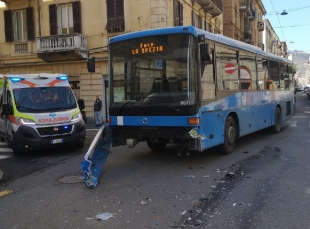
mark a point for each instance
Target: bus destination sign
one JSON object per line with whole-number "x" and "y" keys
{"x": 147, "y": 48}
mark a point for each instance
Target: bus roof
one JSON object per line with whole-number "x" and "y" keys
{"x": 195, "y": 32}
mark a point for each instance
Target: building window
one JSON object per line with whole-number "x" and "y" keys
{"x": 196, "y": 20}
{"x": 178, "y": 13}
{"x": 115, "y": 12}
{"x": 19, "y": 25}
{"x": 217, "y": 30}
{"x": 65, "y": 18}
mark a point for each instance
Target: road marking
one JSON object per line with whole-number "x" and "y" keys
{"x": 4, "y": 156}
{"x": 6, "y": 150}
{"x": 292, "y": 123}
{"x": 92, "y": 130}
{"x": 4, "y": 143}
{"x": 5, "y": 192}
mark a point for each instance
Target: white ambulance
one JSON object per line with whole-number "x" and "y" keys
{"x": 39, "y": 111}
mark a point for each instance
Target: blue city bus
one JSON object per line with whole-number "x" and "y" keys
{"x": 185, "y": 85}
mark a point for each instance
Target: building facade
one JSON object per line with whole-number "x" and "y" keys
{"x": 243, "y": 21}
{"x": 54, "y": 36}
{"x": 272, "y": 42}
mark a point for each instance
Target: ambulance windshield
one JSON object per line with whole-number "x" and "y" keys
{"x": 41, "y": 99}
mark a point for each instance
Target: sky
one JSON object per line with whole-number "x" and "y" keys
{"x": 294, "y": 28}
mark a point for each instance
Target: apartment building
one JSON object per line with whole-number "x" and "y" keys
{"x": 243, "y": 21}
{"x": 54, "y": 36}
{"x": 272, "y": 42}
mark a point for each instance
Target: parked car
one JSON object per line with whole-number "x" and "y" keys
{"x": 307, "y": 91}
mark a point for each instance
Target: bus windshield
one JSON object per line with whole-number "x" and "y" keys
{"x": 154, "y": 71}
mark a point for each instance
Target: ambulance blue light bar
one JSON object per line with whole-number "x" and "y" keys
{"x": 16, "y": 79}
{"x": 62, "y": 77}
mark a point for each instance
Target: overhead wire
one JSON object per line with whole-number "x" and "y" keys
{"x": 288, "y": 10}
{"x": 278, "y": 20}
{"x": 291, "y": 26}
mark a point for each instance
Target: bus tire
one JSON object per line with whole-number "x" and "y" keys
{"x": 16, "y": 150}
{"x": 276, "y": 128}
{"x": 230, "y": 135}
{"x": 156, "y": 146}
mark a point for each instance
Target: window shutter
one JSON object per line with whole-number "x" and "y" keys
{"x": 53, "y": 19}
{"x": 176, "y": 13}
{"x": 199, "y": 22}
{"x": 77, "y": 25}
{"x": 181, "y": 13}
{"x": 119, "y": 13}
{"x": 30, "y": 24}
{"x": 110, "y": 13}
{"x": 8, "y": 26}
{"x": 193, "y": 18}
{"x": 119, "y": 9}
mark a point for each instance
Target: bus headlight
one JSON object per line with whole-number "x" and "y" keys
{"x": 25, "y": 121}
{"x": 76, "y": 117}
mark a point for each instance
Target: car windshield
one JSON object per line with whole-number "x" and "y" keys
{"x": 41, "y": 99}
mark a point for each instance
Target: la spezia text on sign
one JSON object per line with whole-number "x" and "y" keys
{"x": 147, "y": 48}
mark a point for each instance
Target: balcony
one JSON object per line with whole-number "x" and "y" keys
{"x": 62, "y": 47}
{"x": 251, "y": 14}
{"x": 243, "y": 8}
{"x": 213, "y": 7}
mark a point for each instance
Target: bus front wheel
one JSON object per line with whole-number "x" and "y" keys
{"x": 156, "y": 146}
{"x": 229, "y": 136}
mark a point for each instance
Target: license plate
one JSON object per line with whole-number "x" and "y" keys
{"x": 55, "y": 141}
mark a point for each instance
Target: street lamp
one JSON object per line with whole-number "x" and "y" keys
{"x": 284, "y": 12}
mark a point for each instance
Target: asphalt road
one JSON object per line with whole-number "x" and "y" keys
{"x": 268, "y": 187}
{"x": 35, "y": 161}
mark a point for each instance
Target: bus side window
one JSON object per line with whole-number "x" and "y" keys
{"x": 247, "y": 71}
{"x": 261, "y": 73}
{"x": 273, "y": 75}
{"x": 227, "y": 65}
{"x": 208, "y": 78}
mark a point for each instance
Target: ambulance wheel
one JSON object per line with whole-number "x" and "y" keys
{"x": 16, "y": 150}
{"x": 156, "y": 146}
{"x": 230, "y": 135}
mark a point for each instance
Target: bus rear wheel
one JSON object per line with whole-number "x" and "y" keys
{"x": 229, "y": 136}
{"x": 276, "y": 128}
{"x": 156, "y": 146}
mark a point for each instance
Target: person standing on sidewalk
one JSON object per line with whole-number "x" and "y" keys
{"x": 97, "y": 111}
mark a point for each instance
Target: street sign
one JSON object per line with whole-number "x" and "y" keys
{"x": 230, "y": 68}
